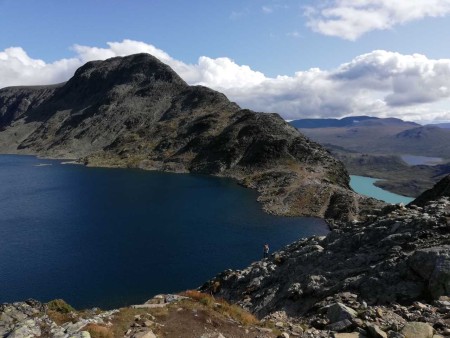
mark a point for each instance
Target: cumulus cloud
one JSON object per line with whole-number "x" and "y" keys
{"x": 349, "y": 19}
{"x": 17, "y": 68}
{"x": 380, "y": 83}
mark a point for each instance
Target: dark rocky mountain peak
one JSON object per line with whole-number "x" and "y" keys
{"x": 139, "y": 70}
{"x": 135, "y": 111}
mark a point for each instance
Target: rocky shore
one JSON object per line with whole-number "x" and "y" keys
{"x": 390, "y": 270}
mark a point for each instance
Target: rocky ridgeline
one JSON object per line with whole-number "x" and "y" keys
{"x": 30, "y": 319}
{"x": 137, "y": 112}
{"x": 380, "y": 269}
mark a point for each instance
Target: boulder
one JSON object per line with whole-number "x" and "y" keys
{"x": 338, "y": 312}
{"x": 376, "y": 332}
{"x": 417, "y": 330}
{"x": 433, "y": 265}
{"x": 348, "y": 335}
{"x": 145, "y": 334}
{"x": 340, "y": 325}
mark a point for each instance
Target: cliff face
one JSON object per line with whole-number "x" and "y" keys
{"x": 136, "y": 112}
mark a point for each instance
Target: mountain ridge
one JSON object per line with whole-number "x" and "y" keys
{"x": 350, "y": 121}
{"x": 137, "y": 112}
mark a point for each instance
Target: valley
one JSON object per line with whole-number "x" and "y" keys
{"x": 376, "y": 147}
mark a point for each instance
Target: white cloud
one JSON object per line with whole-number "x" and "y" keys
{"x": 267, "y": 9}
{"x": 17, "y": 68}
{"x": 379, "y": 83}
{"x": 349, "y": 19}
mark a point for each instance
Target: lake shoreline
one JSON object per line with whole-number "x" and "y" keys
{"x": 146, "y": 230}
{"x": 367, "y": 186}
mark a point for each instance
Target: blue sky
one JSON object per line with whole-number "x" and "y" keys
{"x": 313, "y": 44}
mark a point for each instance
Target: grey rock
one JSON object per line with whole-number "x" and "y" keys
{"x": 433, "y": 264}
{"x": 212, "y": 335}
{"x": 417, "y": 330}
{"x": 338, "y": 312}
{"x": 26, "y": 329}
{"x": 146, "y": 334}
{"x": 83, "y": 334}
{"x": 376, "y": 332}
{"x": 348, "y": 335}
{"x": 340, "y": 325}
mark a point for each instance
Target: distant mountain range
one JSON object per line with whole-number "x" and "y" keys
{"x": 353, "y": 121}
{"x": 441, "y": 125}
{"x": 367, "y": 134}
{"x": 371, "y": 146}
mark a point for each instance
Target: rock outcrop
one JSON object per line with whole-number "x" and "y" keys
{"x": 442, "y": 189}
{"x": 137, "y": 112}
{"x": 358, "y": 272}
{"x": 401, "y": 256}
{"x": 162, "y": 316}
{"x": 31, "y": 319}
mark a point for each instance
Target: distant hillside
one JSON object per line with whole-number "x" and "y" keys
{"x": 351, "y": 121}
{"x": 441, "y": 125}
{"x": 386, "y": 138}
{"x": 373, "y": 147}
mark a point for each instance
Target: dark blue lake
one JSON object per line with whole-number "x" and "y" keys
{"x": 114, "y": 237}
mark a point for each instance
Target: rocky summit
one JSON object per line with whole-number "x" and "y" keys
{"x": 137, "y": 112}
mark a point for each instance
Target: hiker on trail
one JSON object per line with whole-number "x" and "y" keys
{"x": 266, "y": 250}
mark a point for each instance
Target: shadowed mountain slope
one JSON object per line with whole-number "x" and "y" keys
{"x": 441, "y": 189}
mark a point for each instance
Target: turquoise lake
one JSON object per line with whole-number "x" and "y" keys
{"x": 365, "y": 186}
{"x": 114, "y": 237}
